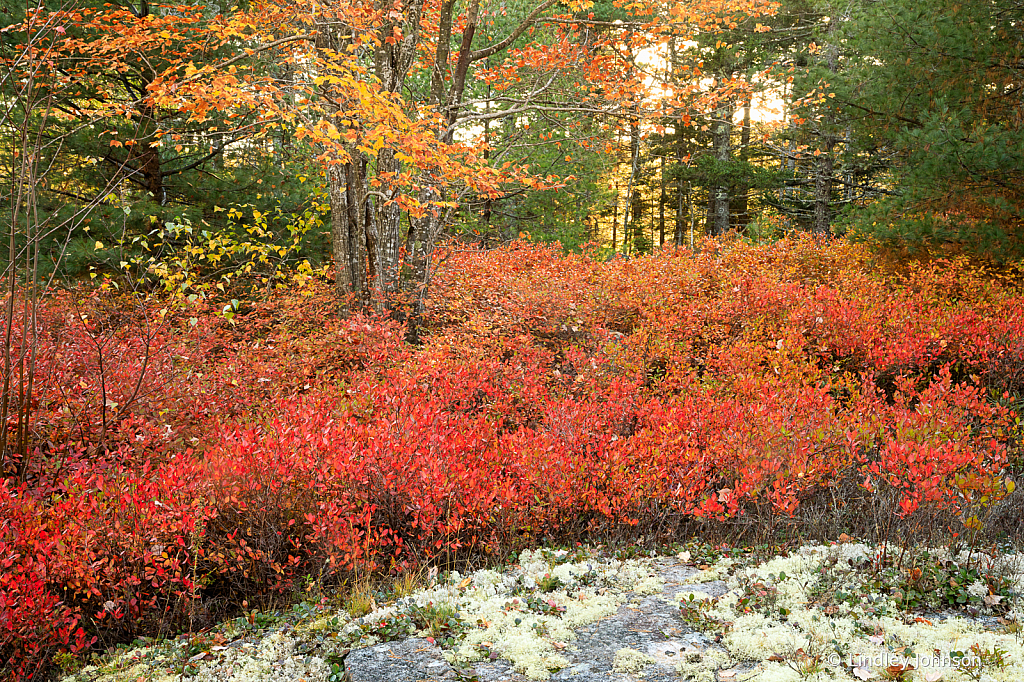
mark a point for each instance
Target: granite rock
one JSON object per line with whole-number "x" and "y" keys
{"x": 408, "y": 660}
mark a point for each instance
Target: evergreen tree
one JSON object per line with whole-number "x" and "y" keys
{"x": 941, "y": 85}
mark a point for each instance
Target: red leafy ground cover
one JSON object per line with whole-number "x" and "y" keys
{"x": 183, "y": 465}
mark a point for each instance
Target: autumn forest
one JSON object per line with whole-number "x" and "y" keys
{"x": 299, "y": 293}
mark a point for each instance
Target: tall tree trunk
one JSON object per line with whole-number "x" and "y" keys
{"x": 384, "y": 242}
{"x": 743, "y": 191}
{"x": 790, "y": 148}
{"x": 823, "y": 179}
{"x": 848, "y": 179}
{"x": 344, "y": 178}
{"x": 148, "y": 156}
{"x": 693, "y": 218}
{"x": 628, "y": 217}
{"x": 365, "y": 226}
{"x": 488, "y": 202}
{"x": 661, "y": 205}
{"x": 682, "y": 214}
{"x": 615, "y": 218}
{"x": 355, "y": 203}
{"x": 823, "y": 190}
{"x": 338, "y": 200}
{"x": 722, "y": 135}
{"x": 680, "y": 232}
{"x": 709, "y": 213}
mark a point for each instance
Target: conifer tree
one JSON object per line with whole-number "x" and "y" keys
{"x": 940, "y": 84}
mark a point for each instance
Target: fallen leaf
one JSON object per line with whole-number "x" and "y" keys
{"x": 991, "y": 599}
{"x": 898, "y": 670}
{"x": 863, "y": 673}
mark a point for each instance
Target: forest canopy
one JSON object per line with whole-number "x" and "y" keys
{"x": 269, "y": 134}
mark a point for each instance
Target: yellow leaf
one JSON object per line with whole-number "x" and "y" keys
{"x": 99, "y": 245}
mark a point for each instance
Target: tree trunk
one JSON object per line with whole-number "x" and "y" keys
{"x": 148, "y": 156}
{"x": 615, "y": 218}
{"x": 386, "y": 250}
{"x": 722, "y": 134}
{"x": 680, "y": 232}
{"x": 823, "y": 179}
{"x": 823, "y": 191}
{"x": 743, "y": 193}
{"x": 355, "y": 197}
{"x": 337, "y": 197}
{"x": 709, "y": 213}
{"x": 682, "y": 214}
{"x": 628, "y": 217}
{"x": 661, "y": 205}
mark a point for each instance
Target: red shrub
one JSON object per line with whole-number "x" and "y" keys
{"x": 185, "y": 462}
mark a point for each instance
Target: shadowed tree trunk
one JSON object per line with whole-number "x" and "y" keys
{"x": 823, "y": 171}
{"x": 720, "y": 193}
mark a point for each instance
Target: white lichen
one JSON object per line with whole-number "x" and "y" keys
{"x": 703, "y": 666}
{"x": 631, "y": 661}
{"x": 651, "y": 585}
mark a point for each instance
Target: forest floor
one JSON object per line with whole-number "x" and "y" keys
{"x": 821, "y": 612}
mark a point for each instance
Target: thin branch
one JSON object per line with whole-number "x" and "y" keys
{"x": 486, "y": 52}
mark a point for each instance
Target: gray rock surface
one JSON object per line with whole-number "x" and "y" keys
{"x": 647, "y": 624}
{"x": 408, "y": 660}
